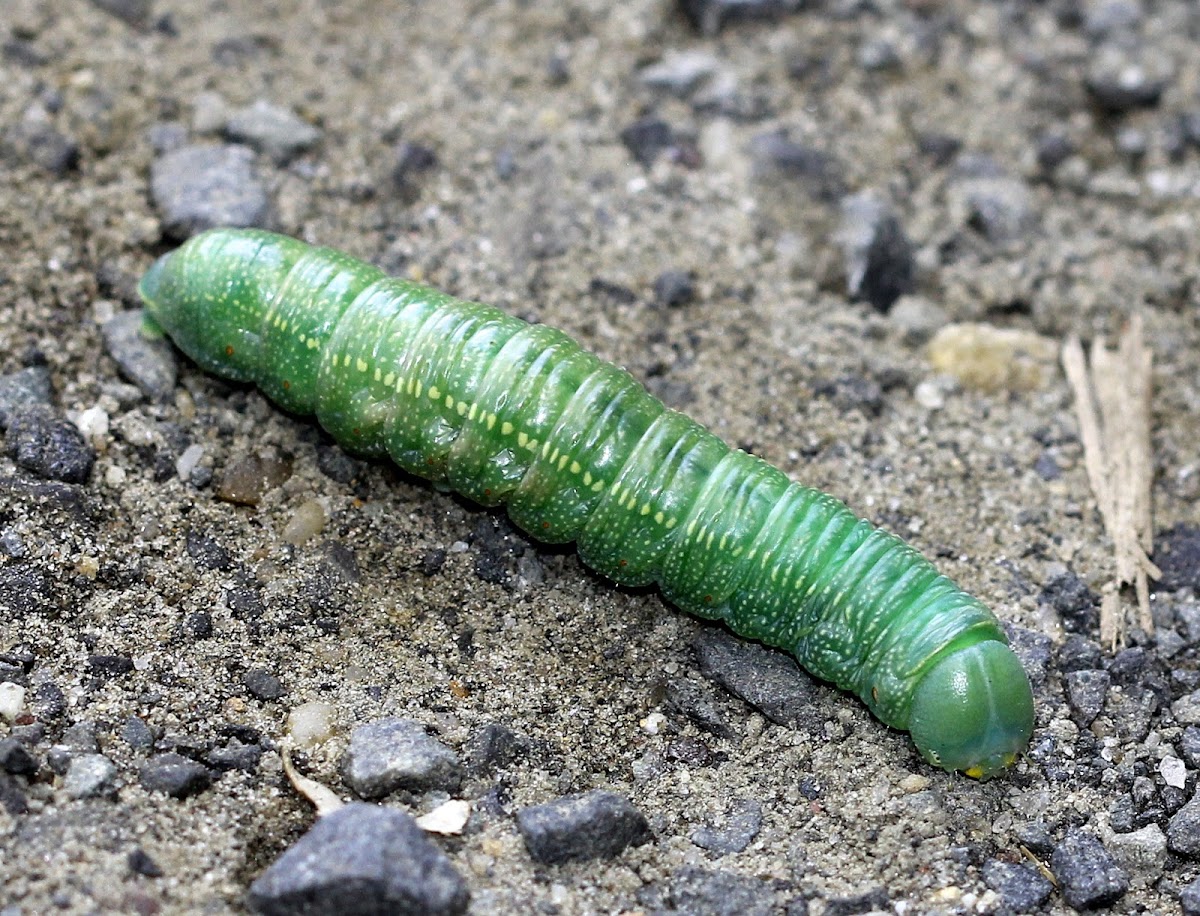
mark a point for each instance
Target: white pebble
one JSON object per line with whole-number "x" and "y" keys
{"x": 189, "y": 461}
{"x": 1173, "y": 771}
{"x": 12, "y": 701}
{"x": 311, "y": 724}
{"x": 306, "y": 522}
{"x": 448, "y": 818}
{"x": 93, "y": 423}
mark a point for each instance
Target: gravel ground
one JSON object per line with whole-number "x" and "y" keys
{"x": 765, "y": 218}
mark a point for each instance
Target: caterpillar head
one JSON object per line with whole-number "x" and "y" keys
{"x": 973, "y": 710}
{"x": 209, "y": 294}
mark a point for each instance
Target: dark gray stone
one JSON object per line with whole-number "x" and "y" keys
{"x": 880, "y": 264}
{"x": 1086, "y": 692}
{"x": 1176, "y": 553}
{"x": 361, "y": 860}
{"x": 705, "y": 892}
{"x": 48, "y": 446}
{"x": 272, "y": 130}
{"x": 132, "y": 12}
{"x": 494, "y": 746}
{"x": 206, "y": 552}
{"x": 673, "y": 288}
{"x": 591, "y": 825}
{"x": 235, "y": 756}
{"x": 20, "y": 390}
{"x": 393, "y": 754}
{"x": 1183, "y": 830}
{"x": 646, "y": 138}
{"x": 36, "y": 140}
{"x": 1019, "y": 886}
{"x": 698, "y": 702}
{"x": 767, "y": 679}
{"x": 1189, "y": 898}
{"x": 775, "y": 156}
{"x": 263, "y": 685}
{"x": 16, "y": 759}
{"x": 174, "y": 775}
{"x": 137, "y": 734}
{"x": 1189, "y": 747}
{"x": 738, "y": 830}
{"x": 710, "y": 16}
{"x": 149, "y": 363}
{"x": 91, "y": 776}
{"x": 1087, "y": 873}
{"x": 1077, "y": 604}
{"x": 198, "y": 187}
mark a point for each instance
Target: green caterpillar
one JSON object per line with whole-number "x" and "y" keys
{"x": 506, "y": 412}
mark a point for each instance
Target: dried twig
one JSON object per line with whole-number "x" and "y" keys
{"x": 1116, "y": 449}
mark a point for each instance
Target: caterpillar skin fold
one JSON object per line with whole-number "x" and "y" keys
{"x": 505, "y": 412}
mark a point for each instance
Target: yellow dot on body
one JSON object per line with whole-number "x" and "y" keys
{"x": 658, "y": 518}
{"x": 576, "y": 467}
{"x": 434, "y": 394}
{"x": 587, "y": 478}
{"x": 562, "y": 462}
{"x": 450, "y": 401}
{"x": 378, "y": 373}
{"x": 646, "y": 507}
{"x": 360, "y": 364}
{"x": 521, "y": 437}
{"x": 671, "y": 523}
{"x": 506, "y": 429}
{"x": 313, "y": 343}
{"x": 598, "y": 486}
{"x": 491, "y": 420}
{"x": 346, "y": 360}
{"x": 473, "y": 412}
{"x": 390, "y": 379}
{"x": 461, "y": 407}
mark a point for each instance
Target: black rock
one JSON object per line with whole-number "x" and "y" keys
{"x": 263, "y": 685}
{"x": 1177, "y": 555}
{"x": 1189, "y": 746}
{"x": 337, "y": 465}
{"x": 110, "y": 666}
{"x": 38, "y": 141}
{"x": 132, "y": 12}
{"x": 699, "y": 704}
{"x": 48, "y": 446}
{"x": 15, "y": 759}
{"x": 646, "y": 138}
{"x": 361, "y": 860}
{"x": 493, "y": 747}
{"x": 196, "y": 625}
{"x": 1120, "y": 80}
{"x": 1074, "y": 601}
{"x": 876, "y": 899}
{"x": 591, "y": 825}
{"x": 1020, "y": 887}
{"x": 48, "y": 702}
{"x": 1053, "y": 149}
{"x": 1088, "y": 874}
{"x": 235, "y": 756}
{"x": 411, "y": 160}
{"x": 710, "y": 16}
{"x": 767, "y": 679}
{"x": 12, "y": 799}
{"x": 199, "y": 187}
{"x": 393, "y": 754}
{"x": 205, "y": 552}
{"x": 1078, "y": 653}
{"x": 1183, "y": 830}
{"x": 174, "y": 775}
{"x": 140, "y": 863}
{"x": 1086, "y": 692}
{"x": 880, "y": 262}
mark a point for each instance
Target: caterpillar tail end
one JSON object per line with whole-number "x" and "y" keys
{"x": 150, "y": 293}
{"x": 973, "y": 710}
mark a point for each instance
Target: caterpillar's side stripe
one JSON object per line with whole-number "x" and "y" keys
{"x": 507, "y": 412}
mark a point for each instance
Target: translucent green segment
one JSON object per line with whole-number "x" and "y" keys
{"x": 507, "y": 412}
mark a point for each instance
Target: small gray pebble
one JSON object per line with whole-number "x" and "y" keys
{"x": 1021, "y": 888}
{"x": 137, "y": 734}
{"x": 27, "y": 388}
{"x": 199, "y": 187}
{"x": 174, "y": 775}
{"x": 393, "y": 754}
{"x": 272, "y": 130}
{"x": 592, "y": 825}
{"x": 91, "y": 776}
{"x": 148, "y": 363}
{"x": 1087, "y": 872}
{"x": 1086, "y": 692}
{"x": 361, "y": 859}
